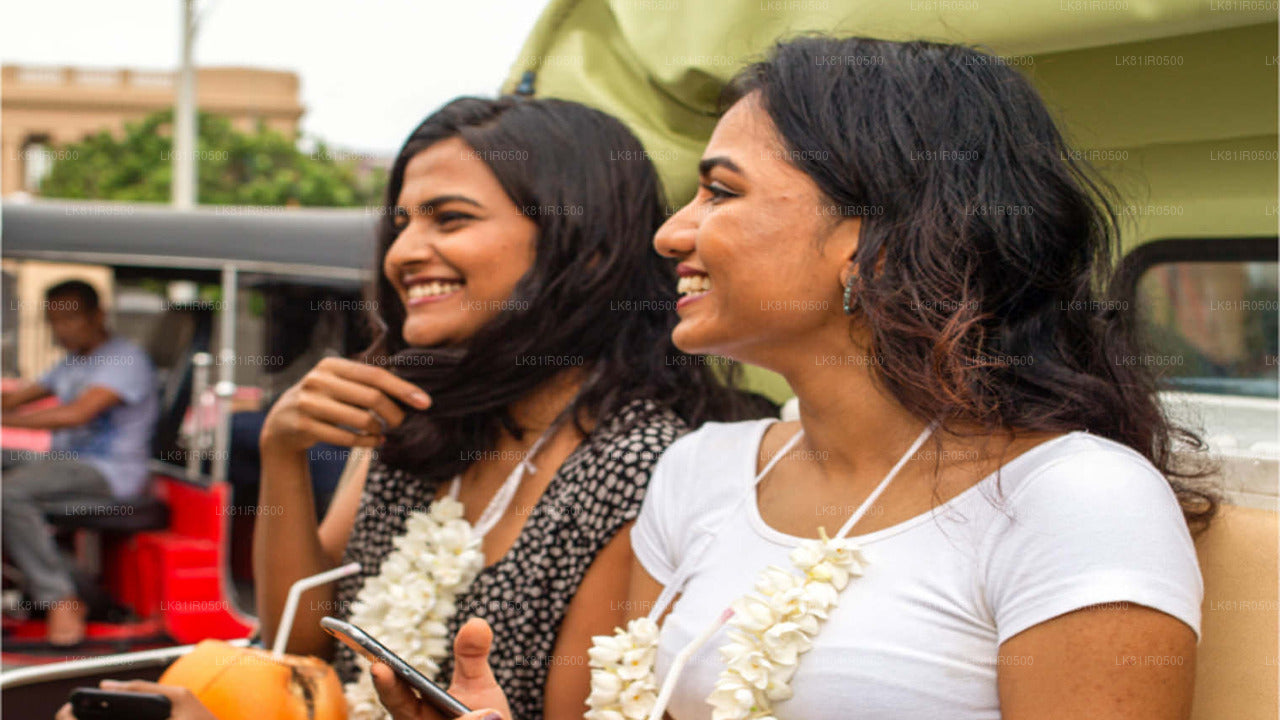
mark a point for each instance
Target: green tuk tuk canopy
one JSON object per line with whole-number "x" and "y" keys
{"x": 660, "y": 65}
{"x": 1190, "y": 141}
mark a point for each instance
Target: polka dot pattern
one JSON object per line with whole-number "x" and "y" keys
{"x": 524, "y": 595}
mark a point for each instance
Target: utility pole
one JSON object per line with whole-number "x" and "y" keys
{"x": 183, "y": 187}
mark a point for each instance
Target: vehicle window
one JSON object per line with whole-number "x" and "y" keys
{"x": 1211, "y": 320}
{"x": 136, "y": 311}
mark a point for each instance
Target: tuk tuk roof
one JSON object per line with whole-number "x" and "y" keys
{"x": 316, "y": 244}
{"x": 659, "y": 65}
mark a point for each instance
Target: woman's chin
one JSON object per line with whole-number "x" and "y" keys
{"x": 417, "y": 333}
{"x": 694, "y": 338}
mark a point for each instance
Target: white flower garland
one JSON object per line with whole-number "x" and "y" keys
{"x": 409, "y": 603}
{"x": 622, "y": 680}
{"x": 772, "y": 627}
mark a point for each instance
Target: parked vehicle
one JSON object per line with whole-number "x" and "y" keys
{"x": 230, "y": 304}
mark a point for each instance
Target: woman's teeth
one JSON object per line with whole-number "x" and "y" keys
{"x": 693, "y": 284}
{"x": 432, "y": 289}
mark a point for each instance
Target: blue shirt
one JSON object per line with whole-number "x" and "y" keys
{"x": 118, "y": 441}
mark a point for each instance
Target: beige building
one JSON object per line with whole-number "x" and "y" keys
{"x": 44, "y": 107}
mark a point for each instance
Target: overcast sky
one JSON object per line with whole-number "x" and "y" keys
{"x": 370, "y": 69}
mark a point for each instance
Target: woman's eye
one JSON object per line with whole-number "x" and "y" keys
{"x": 399, "y": 218}
{"x": 450, "y": 218}
{"x": 717, "y": 191}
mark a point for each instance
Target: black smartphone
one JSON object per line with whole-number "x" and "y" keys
{"x": 93, "y": 704}
{"x": 364, "y": 644}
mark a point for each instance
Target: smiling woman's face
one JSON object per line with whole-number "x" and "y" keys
{"x": 760, "y": 252}
{"x": 462, "y": 247}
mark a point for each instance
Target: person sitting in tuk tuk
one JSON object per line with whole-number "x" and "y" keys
{"x": 101, "y": 439}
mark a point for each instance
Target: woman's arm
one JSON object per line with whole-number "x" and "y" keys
{"x": 289, "y": 545}
{"x": 340, "y": 402}
{"x": 340, "y": 518}
{"x": 600, "y": 605}
{"x": 644, "y": 593}
{"x": 1107, "y": 662}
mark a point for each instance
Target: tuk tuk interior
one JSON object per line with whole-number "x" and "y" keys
{"x": 173, "y": 567}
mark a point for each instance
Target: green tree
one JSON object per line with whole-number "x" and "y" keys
{"x": 233, "y": 167}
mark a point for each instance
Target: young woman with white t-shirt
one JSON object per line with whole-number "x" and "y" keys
{"x": 900, "y": 230}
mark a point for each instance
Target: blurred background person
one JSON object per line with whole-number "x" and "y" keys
{"x": 100, "y": 442}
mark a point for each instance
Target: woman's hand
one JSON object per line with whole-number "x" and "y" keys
{"x": 185, "y": 705}
{"x": 336, "y": 403}
{"x": 473, "y": 681}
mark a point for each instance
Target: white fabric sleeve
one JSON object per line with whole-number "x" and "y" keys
{"x": 655, "y": 538}
{"x": 1095, "y": 527}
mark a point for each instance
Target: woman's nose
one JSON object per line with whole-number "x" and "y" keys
{"x": 676, "y": 236}
{"x": 413, "y": 244}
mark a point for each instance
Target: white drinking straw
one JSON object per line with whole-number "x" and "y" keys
{"x": 295, "y": 596}
{"x": 677, "y": 665}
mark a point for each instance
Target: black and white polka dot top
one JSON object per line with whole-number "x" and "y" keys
{"x": 524, "y": 595}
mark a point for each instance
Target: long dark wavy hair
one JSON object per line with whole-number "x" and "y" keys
{"x": 984, "y": 262}
{"x": 597, "y": 298}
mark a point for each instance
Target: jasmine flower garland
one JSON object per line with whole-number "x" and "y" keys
{"x": 409, "y": 603}
{"x": 771, "y": 628}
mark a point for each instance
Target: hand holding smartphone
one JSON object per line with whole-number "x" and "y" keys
{"x": 364, "y": 644}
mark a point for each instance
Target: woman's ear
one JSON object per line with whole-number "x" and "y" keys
{"x": 849, "y": 273}
{"x": 845, "y": 240}
{"x": 842, "y": 239}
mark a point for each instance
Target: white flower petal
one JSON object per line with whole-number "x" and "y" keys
{"x": 807, "y": 555}
{"x": 606, "y": 687}
{"x": 637, "y": 699}
{"x": 731, "y": 701}
{"x": 604, "y": 652}
{"x": 753, "y": 614}
{"x": 636, "y": 663}
{"x": 643, "y": 631}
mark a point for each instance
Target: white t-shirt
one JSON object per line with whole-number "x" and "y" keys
{"x": 1076, "y": 521}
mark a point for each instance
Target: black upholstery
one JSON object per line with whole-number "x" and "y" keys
{"x": 119, "y": 516}
{"x": 180, "y": 334}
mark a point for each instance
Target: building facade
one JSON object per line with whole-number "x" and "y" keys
{"x": 42, "y": 108}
